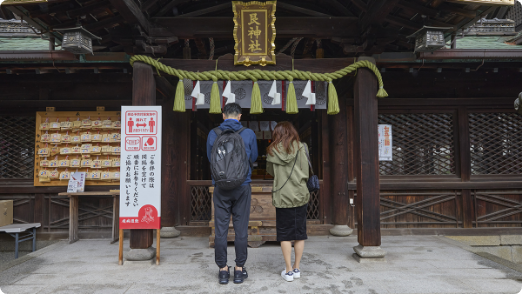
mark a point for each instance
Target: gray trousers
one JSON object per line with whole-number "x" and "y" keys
{"x": 237, "y": 202}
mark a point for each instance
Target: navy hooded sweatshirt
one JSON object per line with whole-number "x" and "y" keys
{"x": 249, "y": 138}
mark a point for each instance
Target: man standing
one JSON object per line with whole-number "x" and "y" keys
{"x": 228, "y": 196}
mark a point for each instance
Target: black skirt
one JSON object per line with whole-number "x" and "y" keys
{"x": 291, "y": 223}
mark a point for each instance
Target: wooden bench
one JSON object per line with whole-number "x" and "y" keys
{"x": 16, "y": 229}
{"x": 73, "y": 212}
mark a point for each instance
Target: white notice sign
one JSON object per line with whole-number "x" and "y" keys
{"x": 140, "y": 178}
{"x": 76, "y": 182}
{"x": 385, "y": 143}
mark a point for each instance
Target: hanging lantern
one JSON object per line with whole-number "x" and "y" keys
{"x": 429, "y": 39}
{"x": 77, "y": 40}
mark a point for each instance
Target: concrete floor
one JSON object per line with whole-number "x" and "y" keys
{"x": 415, "y": 264}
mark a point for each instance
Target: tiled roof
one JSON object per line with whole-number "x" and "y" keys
{"x": 484, "y": 42}
{"x": 27, "y": 43}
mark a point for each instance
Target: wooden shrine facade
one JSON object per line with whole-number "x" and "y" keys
{"x": 457, "y": 157}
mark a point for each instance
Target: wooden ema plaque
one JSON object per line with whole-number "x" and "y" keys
{"x": 84, "y": 141}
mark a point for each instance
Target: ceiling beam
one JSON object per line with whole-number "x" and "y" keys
{"x": 131, "y": 13}
{"x": 377, "y": 12}
{"x": 222, "y": 27}
{"x": 399, "y": 21}
{"x": 284, "y": 62}
{"x": 105, "y": 23}
{"x": 457, "y": 10}
{"x": 340, "y": 7}
{"x": 298, "y": 9}
{"x": 207, "y": 10}
{"x": 169, "y": 6}
{"x": 414, "y": 7}
{"x": 360, "y": 4}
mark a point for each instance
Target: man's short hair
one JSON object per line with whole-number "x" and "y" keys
{"x": 232, "y": 110}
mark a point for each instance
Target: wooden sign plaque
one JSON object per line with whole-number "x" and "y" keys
{"x": 254, "y": 32}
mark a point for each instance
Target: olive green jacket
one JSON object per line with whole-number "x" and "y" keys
{"x": 294, "y": 193}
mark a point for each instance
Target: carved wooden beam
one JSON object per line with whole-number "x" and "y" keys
{"x": 131, "y": 13}
{"x": 222, "y": 27}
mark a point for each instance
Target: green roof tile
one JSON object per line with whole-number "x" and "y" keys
{"x": 23, "y": 44}
{"x": 484, "y": 42}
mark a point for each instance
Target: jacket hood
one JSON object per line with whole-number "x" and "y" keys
{"x": 231, "y": 124}
{"x": 280, "y": 155}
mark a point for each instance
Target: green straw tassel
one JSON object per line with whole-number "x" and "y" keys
{"x": 382, "y": 93}
{"x": 215, "y": 105}
{"x": 333, "y": 101}
{"x": 256, "y": 106}
{"x": 179, "y": 99}
{"x": 291, "y": 100}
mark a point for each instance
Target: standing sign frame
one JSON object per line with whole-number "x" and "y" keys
{"x": 140, "y": 181}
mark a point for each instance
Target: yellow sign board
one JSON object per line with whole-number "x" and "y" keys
{"x": 254, "y": 32}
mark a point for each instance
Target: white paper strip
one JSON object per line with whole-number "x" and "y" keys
{"x": 307, "y": 92}
{"x": 273, "y": 94}
{"x": 196, "y": 91}
{"x": 231, "y": 97}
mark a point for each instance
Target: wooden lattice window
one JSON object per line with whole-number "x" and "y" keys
{"x": 423, "y": 144}
{"x": 200, "y": 203}
{"x": 313, "y": 206}
{"x": 495, "y": 143}
{"x": 16, "y": 147}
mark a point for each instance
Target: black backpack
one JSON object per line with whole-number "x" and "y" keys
{"x": 229, "y": 163}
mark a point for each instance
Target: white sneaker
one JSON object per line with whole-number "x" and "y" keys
{"x": 287, "y": 276}
{"x": 297, "y": 274}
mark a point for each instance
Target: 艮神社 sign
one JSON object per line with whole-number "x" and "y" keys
{"x": 254, "y": 32}
{"x": 140, "y": 179}
{"x": 385, "y": 143}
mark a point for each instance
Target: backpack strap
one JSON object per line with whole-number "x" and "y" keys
{"x": 240, "y": 130}
{"x": 218, "y": 131}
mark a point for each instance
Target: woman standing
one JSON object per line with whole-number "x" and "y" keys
{"x": 288, "y": 163}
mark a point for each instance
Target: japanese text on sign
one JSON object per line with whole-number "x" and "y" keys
{"x": 140, "y": 185}
{"x": 385, "y": 142}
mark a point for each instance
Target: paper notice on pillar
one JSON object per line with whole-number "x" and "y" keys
{"x": 320, "y": 94}
{"x": 243, "y": 91}
{"x": 206, "y": 88}
{"x": 264, "y": 87}
{"x": 140, "y": 179}
{"x": 385, "y": 142}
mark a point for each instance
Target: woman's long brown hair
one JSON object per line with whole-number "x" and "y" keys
{"x": 285, "y": 133}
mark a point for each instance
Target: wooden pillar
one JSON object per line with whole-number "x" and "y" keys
{"x": 175, "y": 170}
{"x": 367, "y": 168}
{"x": 339, "y": 166}
{"x": 325, "y": 201}
{"x": 143, "y": 93}
{"x": 464, "y": 162}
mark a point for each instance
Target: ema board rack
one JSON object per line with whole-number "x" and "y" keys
{"x": 83, "y": 141}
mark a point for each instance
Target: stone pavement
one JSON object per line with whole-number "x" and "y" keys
{"x": 415, "y": 264}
